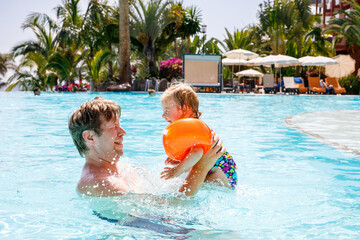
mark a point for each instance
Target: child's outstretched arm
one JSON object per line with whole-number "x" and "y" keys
{"x": 189, "y": 161}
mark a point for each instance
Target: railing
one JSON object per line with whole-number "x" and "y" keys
{"x": 147, "y": 84}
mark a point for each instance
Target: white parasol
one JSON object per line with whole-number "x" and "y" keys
{"x": 241, "y": 54}
{"x": 344, "y": 67}
{"x": 316, "y": 61}
{"x": 232, "y": 61}
{"x": 249, "y": 73}
{"x": 277, "y": 60}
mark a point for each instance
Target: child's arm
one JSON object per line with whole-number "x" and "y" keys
{"x": 189, "y": 161}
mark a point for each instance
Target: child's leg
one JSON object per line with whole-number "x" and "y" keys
{"x": 219, "y": 177}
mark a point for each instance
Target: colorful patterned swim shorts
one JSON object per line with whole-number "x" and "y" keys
{"x": 228, "y": 166}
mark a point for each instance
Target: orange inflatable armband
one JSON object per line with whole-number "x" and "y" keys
{"x": 181, "y": 135}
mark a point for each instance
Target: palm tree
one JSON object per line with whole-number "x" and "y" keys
{"x": 191, "y": 25}
{"x": 275, "y": 20}
{"x": 348, "y": 26}
{"x": 319, "y": 44}
{"x": 240, "y": 39}
{"x": 67, "y": 65}
{"x": 69, "y": 33}
{"x": 6, "y": 63}
{"x": 173, "y": 30}
{"x": 183, "y": 24}
{"x": 287, "y": 27}
{"x": 35, "y": 55}
{"x": 69, "y": 37}
{"x": 195, "y": 45}
{"x": 212, "y": 46}
{"x": 95, "y": 65}
{"x": 124, "y": 42}
{"x": 36, "y": 76}
{"x": 100, "y": 29}
{"x": 147, "y": 24}
{"x": 44, "y": 28}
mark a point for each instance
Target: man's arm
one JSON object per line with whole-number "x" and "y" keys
{"x": 200, "y": 170}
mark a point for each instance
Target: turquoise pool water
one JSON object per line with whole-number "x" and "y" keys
{"x": 291, "y": 185}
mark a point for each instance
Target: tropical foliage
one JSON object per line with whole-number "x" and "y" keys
{"x": 285, "y": 27}
{"x": 348, "y": 26}
{"x": 239, "y": 39}
{"x": 289, "y": 27}
{"x": 147, "y": 24}
{"x": 95, "y": 45}
{"x": 6, "y": 63}
{"x": 351, "y": 83}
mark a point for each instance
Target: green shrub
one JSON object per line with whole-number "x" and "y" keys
{"x": 227, "y": 73}
{"x": 351, "y": 83}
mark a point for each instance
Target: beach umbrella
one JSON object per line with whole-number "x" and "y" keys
{"x": 241, "y": 54}
{"x": 233, "y": 61}
{"x": 278, "y": 61}
{"x": 316, "y": 61}
{"x": 344, "y": 67}
{"x": 249, "y": 73}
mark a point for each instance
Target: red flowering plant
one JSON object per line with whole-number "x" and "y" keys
{"x": 133, "y": 70}
{"x": 171, "y": 68}
{"x": 73, "y": 87}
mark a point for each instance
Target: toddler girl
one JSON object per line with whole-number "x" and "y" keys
{"x": 180, "y": 101}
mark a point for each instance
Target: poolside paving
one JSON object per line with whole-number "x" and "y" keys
{"x": 338, "y": 128}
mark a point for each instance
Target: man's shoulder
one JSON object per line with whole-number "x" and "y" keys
{"x": 100, "y": 186}
{"x": 90, "y": 185}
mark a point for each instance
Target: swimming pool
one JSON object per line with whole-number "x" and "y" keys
{"x": 291, "y": 185}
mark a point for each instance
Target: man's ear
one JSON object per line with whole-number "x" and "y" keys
{"x": 88, "y": 136}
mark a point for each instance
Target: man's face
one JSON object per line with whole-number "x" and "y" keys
{"x": 109, "y": 144}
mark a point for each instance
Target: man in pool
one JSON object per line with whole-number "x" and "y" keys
{"x": 97, "y": 134}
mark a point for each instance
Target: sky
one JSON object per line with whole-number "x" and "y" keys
{"x": 216, "y": 14}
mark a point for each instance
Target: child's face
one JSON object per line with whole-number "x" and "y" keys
{"x": 173, "y": 112}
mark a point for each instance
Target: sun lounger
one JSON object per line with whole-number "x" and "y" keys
{"x": 228, "y": 85}
{"x": 269, "y": 83}
{"x": 314, "y": 85}
{"x": 299, "y": 83}
{"x": 335, "y": 83}
{"x": 290, "y": 85}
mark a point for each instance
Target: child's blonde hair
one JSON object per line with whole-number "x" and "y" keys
{"x": 184, "y": 96}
